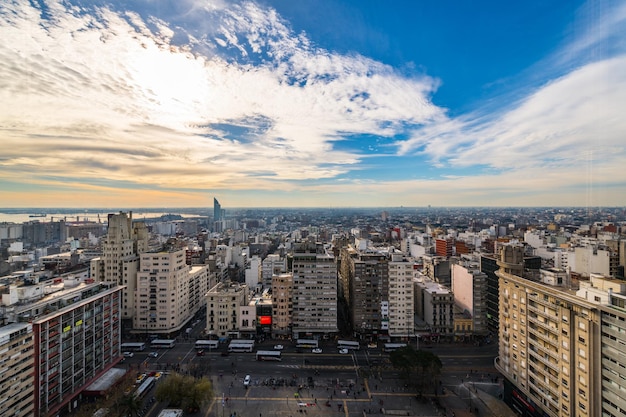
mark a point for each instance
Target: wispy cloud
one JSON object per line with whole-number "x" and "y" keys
{"x": 226, "y": 96}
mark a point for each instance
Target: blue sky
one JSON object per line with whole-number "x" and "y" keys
{"x": 149, "y": 103}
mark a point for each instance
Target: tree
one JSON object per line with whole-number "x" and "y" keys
{"x": 130, "y": 405}
{"x": 419, "y": 368}
{"x": 185, "y": 391}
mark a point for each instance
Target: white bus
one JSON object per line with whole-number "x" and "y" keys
{"x": 132, "y": 347}
{"x": 268, "y": 355}
{"x": 238, "y": 345}
{"x": 145, "y": 386}
{"x": 391, "y": 347}
{"x": 347, "y": 344}
{"x": 307, "y": 343}
{"x": 207, "y": 344}
{"x": 163, "y": 343}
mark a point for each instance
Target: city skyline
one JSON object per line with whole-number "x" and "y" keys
{"x": 332, "y": 103}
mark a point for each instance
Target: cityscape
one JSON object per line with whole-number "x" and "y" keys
{"x": 534, "y": 296}
{"x": 337, "y": 208}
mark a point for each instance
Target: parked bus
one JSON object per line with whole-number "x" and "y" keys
{"x": 206, "y": 344}
{"x": 241, "y": 345}
{"x": 390, "y": 347}
{"x": 268, "y": 355}
{"x": 145, "y": 387}
{"x": 132, "y": 347}
{"x": 307, "y": 343}
{"x": 347, "y": 344}
{"x": 163, "y": 343}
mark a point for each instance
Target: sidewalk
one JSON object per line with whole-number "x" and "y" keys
{"x": 457, "y": 403}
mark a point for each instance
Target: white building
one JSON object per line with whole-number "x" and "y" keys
{"x": 469, "y": 285}
{"x": 224, "y": 302}
{"x": 400, "y": 293}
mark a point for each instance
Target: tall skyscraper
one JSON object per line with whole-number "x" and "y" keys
{"x": 218, "y": 216}
{"x": 217, "y": 210}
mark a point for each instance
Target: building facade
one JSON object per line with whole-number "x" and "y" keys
{"x": 314, "y": 291}
{"x": 400, "y": 297}
{"x": 77, "y": 336}
{"x": 169, "y": 292}
{"x": 282, "y": 305}
{"x": 223, "y": 308}
{"x": 17, "y": 379}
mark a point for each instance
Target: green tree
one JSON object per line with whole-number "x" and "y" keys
{"x": 129, "y": 405}
{"x": 420, "y": 369}
{"x": 185, "y": 391}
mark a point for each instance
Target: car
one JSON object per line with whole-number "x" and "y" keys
{"x": 200, "y": 352}
{"x": 317, "y": 350}
{"x": 140, "y": 379}
{"x": 246, "y": 381}
{"x": 278, "y": 347}
{"x": 128, "y": 354}
{"x": 158, "y": 375}
{"x": 153, "y": 354}
{"x": 343, "y": 351}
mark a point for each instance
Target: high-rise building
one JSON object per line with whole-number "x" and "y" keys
{"x": 401, "y": 318}
{"x": 365, "y": 278}
{"x": 218, "y": 216}
{"x": 169, "y": 292}
{"x": 314, "y": 291}
{"x": 119, "y": 263}
{"x": 76, "y": 340}
{"x": 16, "y": 378}
{"x": 282, "y": 305}
{"x": 470, "y": 293}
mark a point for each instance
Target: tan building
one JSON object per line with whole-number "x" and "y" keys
{"x": 169, "y": 292}
{"x": 223, "y": 309}
{"x": 549, "y": 349}
{"x": 16, "y": 379}
{"x": 434, "y": 304}
{"x": 119, "y": 263}
{"x": 282, "y": 305}
{"x": 469, "y": 285}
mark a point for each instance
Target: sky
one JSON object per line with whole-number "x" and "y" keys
{"x": 312, "y": 103}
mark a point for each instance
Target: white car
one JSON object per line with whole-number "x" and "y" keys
{"x": 246, "y": 381}
{"x": 128, "y": 354}
{"x": 317, "y": 350}
{"x": 343, "y": 351}
{"x": 278, "y": 347}
{"x": 153, "y": 354}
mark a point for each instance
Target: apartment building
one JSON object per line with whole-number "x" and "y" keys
{"x": 282, "y": 305}
{"x": 223, "y": 308}
{"x": 272, "y": 265}
{"x": 169, "y": 292}
{"x": 549, "y": 349}
{"x": 16, "y": 379}
{"x": 77, "y": 336}
{"x": 400, "y": 297}
{"x": 469, "y": 285}
{"x": 365, "y": 278}
{"x": 434, "y": 304}
{"x": 314, "y": 291}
